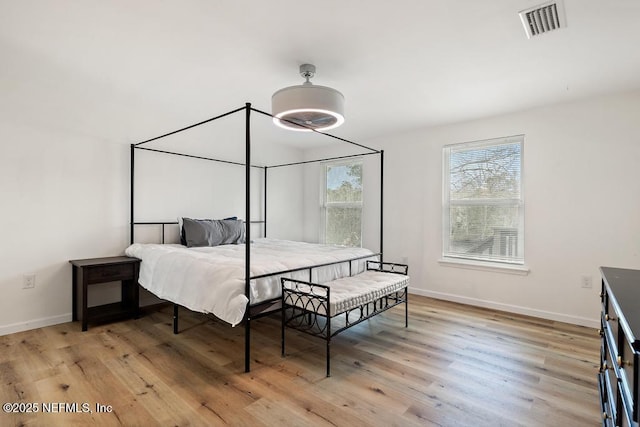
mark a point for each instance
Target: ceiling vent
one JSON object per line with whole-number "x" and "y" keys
{"x": 543, "y": 18}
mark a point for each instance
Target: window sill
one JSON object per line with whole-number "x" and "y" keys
{"x": 485, "y": 266}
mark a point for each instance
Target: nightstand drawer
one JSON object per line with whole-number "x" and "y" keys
{"x": 105, "y": 273}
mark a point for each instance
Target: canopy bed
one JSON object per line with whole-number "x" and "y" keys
{"x": 239, "y": 282}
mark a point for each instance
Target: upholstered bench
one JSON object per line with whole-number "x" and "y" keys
{"x": 310, "y": 307}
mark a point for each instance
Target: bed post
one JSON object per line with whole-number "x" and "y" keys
{"x": 133, "y": 156}
{"x": 381, "y": 203}
{"x": 265, "y": 203}
{"x": 247, "y": 245}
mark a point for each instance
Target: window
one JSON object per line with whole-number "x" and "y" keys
{"x": 342, "y": 204}
{"x": 483, "y": 205}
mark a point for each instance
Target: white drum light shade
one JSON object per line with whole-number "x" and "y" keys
{"x": 308, "y": 107}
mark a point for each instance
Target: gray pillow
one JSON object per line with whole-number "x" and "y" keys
{"x": 183, "y": 241}
{"x": 212, "y": 232}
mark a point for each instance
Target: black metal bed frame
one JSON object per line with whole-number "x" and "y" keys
{"x": 252, "y": 311}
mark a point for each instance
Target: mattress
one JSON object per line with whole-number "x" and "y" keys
{"x": 211, "y": 279}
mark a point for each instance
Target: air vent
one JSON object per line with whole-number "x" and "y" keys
{"x": 543, "y": 18}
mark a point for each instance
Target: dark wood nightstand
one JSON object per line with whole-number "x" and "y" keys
{"x": 87, "y": 272}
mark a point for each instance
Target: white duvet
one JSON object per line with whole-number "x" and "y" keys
{"x": 211, "y": 279}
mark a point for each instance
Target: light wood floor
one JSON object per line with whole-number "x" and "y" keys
{"x": 455, "y": 365}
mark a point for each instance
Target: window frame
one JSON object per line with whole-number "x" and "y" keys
{"x": 325, "y": 204}
{"x": 477, "y": 260}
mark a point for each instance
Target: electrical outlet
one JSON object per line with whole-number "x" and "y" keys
{"x": 28, "y": 281}
{"x": 586, "y": 282}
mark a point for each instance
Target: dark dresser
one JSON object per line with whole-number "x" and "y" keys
{"x": 618, "y": 379}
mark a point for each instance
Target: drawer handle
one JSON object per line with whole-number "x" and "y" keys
{"x": 622, "y": 362}
{"x": 605, "y": 416}
{"x": 607, "y": 318}
{"x": 604, "y": 367}
{"x": 601, "y": 332}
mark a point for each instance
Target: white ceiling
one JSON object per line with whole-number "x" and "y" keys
{"x": 125, "y": 70}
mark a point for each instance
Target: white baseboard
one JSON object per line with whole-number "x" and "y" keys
{"x": 549, "y": 315}
{"x": 559, "y": 317}
{"x": 34, "y": 324}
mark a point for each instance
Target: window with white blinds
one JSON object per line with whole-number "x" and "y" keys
{"x": 483, "y": 204}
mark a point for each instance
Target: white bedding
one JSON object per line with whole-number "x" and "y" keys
{"x": 211, "y": 279}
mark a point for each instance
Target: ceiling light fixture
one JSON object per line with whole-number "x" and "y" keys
{"x": 308, "y": 107}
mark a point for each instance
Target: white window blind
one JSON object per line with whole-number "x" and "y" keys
{"x": 342, "y": 204}
{"x": 483, "y": 204}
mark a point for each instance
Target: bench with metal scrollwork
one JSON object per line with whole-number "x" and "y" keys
{"x": 325, "y": 310}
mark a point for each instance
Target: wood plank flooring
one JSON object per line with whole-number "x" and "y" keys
{"x": 455, "y": 365}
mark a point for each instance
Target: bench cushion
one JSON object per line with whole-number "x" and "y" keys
{"x": 351, "y": 292}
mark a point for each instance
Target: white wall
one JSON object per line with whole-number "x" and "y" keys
{"x": 65, "y": 195}
{"x": 285, "y": 202}
{"x": 168, "y": 187}
{"x": 582, "y": 206}
{"x": 63, "y": 198}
